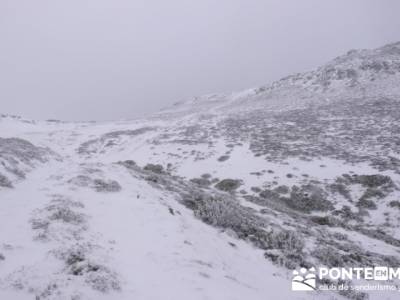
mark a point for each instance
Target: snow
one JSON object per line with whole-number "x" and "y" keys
{"x": 141, "y": 241}
{"x": 156, "y": 254}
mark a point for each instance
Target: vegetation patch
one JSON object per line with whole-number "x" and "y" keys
{"x": 228, "y": 185}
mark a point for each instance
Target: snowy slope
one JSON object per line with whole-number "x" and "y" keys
{"x": 140, "y": 241}
{"x": 218, "y": 197}
{"x": 146, "y": 252}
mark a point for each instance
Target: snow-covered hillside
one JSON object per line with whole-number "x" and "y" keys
{"x": 219, "y": 197}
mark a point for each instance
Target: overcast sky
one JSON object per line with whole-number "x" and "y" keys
{"x": 113, "y": 59}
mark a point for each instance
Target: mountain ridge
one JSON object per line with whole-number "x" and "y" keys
{"x": 353, "y": 72}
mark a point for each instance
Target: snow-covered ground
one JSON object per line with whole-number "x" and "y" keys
{"x": 151, "y": 244}
{"x": 218, "y": 197}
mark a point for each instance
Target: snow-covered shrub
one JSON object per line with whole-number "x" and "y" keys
{"x": 308, "y": 198}
{"x": 201, "y": 181}
{"x": 5, "y": 182}
{"x": 17, "y": 157}
{"x": 78, "y": 263}
{"x": 130, "y": 164}
{"x": 60, "y": 200}
{"x": 258, "y": 200}
{"x": 109, "y": 139}
{"x": 155, "y": 168}
{"x": 373, "y": 193}
{"x": 75, "y": 257}
{"x": 380, "y": 235}
{"x": 67, "y": 215}
{"x": 61, "y": 212}
{"x": 340, "y": 189}
{"x": 326, "y": 220}
{"x": 80, "y": 180}
{"x": 286, "y": 240}
{"x": 347, "y": 214}
{"x": 226, "y": 213}
{"x": 282, "y": 189}
{"x": 102, "y": 279}
{"x": 290, "y": 261}
{"x": 270, "y": 194}
{"x": 285, "y": 248}
{"x": 22, "y": 150}
{"x": 329, "y": 257}
{"x": 97, "y": 276}
{"x": 223, "y": 158}
{"x": 101, "y": 185}
{"x": 370, "y": 181}
{"x": 206, "y": 176}
{"x": 255, "y": 189}
{"x": 40, "y": 224}
{"x": 394, "y": 203}
{"x": 228, "y": 185}
{"x": 366, "y": 203}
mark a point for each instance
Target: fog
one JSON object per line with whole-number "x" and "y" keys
{"x": 113, "y": 59}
